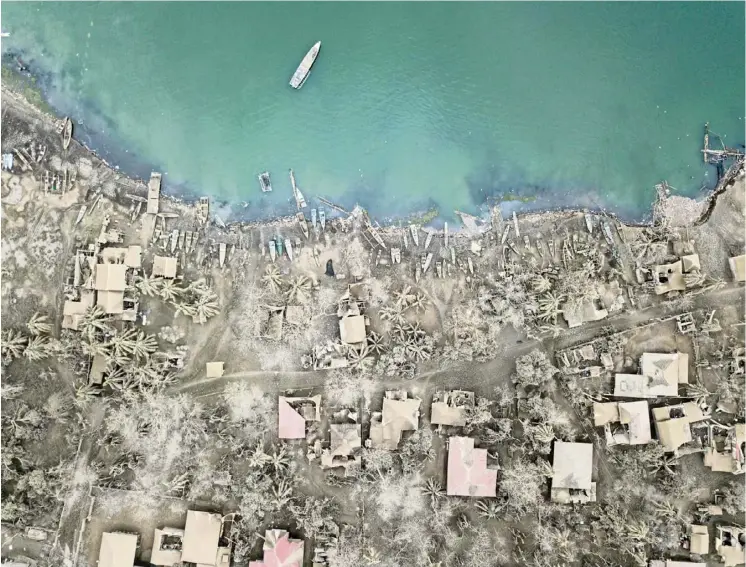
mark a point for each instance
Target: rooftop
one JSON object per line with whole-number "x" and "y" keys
{"x": 468, "y": 474}
{"x": 280, "y": 551}
{"x": 201, "y": 535}
{"x": 117, "y": 549}
{"x": 110, "y": 277}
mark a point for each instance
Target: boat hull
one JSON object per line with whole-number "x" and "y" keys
{"x": 304, "y": 69}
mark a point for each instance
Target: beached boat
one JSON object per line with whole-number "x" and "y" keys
{"x": 300, "y": 201}
{"x": 322, "y": 218}
{"x": 413, "y": 229}
{"x": 67, "y": 133}
{"x": 301, "y": 218}
{"x": 272, "y": 250}
{"x": 289, "y": 248}
{"x": 304, "y": 69}
{"x": 313, "y": 218}
{"x": 264, "y": 182}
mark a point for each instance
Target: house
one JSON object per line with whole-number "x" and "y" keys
{"x": 293, "y": 414}
{"x": 399, "y": 414}
{"x": 130, "y": 256}
{"x": 730, "y": 544}
{"x": 449, "y": 408}
{"x": 167, "y": 546}
{"x": 672, "y": 424}
{"x": 117, "y": 549}
{"x": 73, "y": 311}
{"x": 584, "y": 312}
{"x": 633, "y": 417}
{"x": 468, "y": 474}
{"x": 572, "y": 469}
{"x": 110, "y": 285}
{"x": 200, "y": 543}
{"x": 352, "y": 329}
{"x": 727, "y": 445}
{"x": 164, "y": 266}
{"x": 738, "y": 268}
{"x": 669, "y": 277}
{"x": 280, "y": 551}
{"x": 214, "y": 369}
{"x": 699, "y": 539}
{"x": 661, "y": 374}
{"x": 344, "y": 446}
{"x": 97, "y": 370}
{"x": 154, "y": 193}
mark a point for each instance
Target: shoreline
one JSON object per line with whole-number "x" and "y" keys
{"x": 389, "y": 224}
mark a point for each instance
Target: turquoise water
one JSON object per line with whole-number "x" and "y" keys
{"x": 410, "y": 105}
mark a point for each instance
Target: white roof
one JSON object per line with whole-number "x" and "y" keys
{"x": 165, "y": 557}
{"x": 573, "y": 465}
{"x": 201, "y": 536}
{"x": 117, "y": 550}
{"x": 164, "y": 266}
{"x": 214, "y": 369}
{"x": 110, "y": 277}
{"x": 352, "y": 329}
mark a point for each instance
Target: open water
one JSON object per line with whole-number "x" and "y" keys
{"x": 409, "y": 105}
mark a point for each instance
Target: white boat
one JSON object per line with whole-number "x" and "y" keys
{"x": 264, "y": 182}
{"x": 415, "y": 238}
{"x": 221, "y": 253}
{"x": 289, "y": 248}
{"x": 322, "y": 219}
{"x": 313, "y": 218}
{"x": 445, "y": 234}
{"x": 272, "y": 250}
{"x": 67, "y": 133}
{"x": 300, "y": 201}
{"x": 304, "y": 69}
{"x": 428, "y": 239}
{"x": 428, "y": 260}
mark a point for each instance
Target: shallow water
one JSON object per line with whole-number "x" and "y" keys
{"x": 410, "y": 105}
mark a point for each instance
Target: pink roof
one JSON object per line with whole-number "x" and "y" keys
{"x": 468, "y": 474}
{"x": 292, "y": 424}
{"x": 280, "y": 551}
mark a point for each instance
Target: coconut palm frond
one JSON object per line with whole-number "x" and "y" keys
{"x": 273, "y": 279}
{"x": 149, "y": 286}
{"x": 37, "y": 348}
{"x": 13, "y": 344}
{"x": 39, "y": 324}
{"x": 300, "y": 286}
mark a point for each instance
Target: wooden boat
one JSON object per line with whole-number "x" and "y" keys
{"x": 415, "y": 238}
{"x": 67, "y": 133}
{"x": 445, "y": 234}
{"x": 300, "y": 217}
{"x": 272, "y": 250}
{"x": 264, "y": 182}
{"x": 221, "y": 253}
{"x": 289, "y": 248}
{"x": 304, "y": 69}
{"x": 300, "y": 201}
{"x": 313, "y": 218}
{"x": 428, "y": 239}
{"x": 322, "y": 219}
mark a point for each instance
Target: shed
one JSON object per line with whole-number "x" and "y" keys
{"x": 214, "y": 369}
{"x": 201, "y": 535}
{"x": 164, "y": 266}
{"x": 352, "y": 329}
{"x": 117, "y": 549}
{"x": 572, "y": 469}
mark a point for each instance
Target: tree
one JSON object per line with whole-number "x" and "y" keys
{"x": 149, "y": 286}
{"x": 37, "y": 348}
{"x": 13, "y": 344}
{"x": 521, "y": 486}
{"x": 417, "y": 450}
{"x": 273, "y": 279}
{"x": 39, "y": 324}
{"x": 95, "y": 323}
{"x": 300, "y": 286}
{"x": 533, "y": 369}
{"x": 169, "y": 291}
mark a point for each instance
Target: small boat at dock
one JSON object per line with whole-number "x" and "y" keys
{"x": 67, "y": 133}
{"x": 264, "y": 182}
{"x": 304, "y": 69}
{"x": 300, "y": 217}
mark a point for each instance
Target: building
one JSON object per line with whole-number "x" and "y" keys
{"x": 673, "y": 424}
{"x": 661, "y": 374}
{"x": 201, "y": 541}
{"x": 669, "y": 277}
{"x": 154, "y": 193}
{"x": 730, "y": 544}
{"x": 280, "y": 550}
{"x": 572, "y": 469}
{"x": 584, "y": 312}
{"x": 449, "y": 408}
{"x": 110, "y": 286}
{"x": 633, "y": 421}
{"x": 73, "y": 311}
{"x": 167, "y": 546}
{"x": 118, "y": 549}
{"x": 130, "y": 256}
{"x": 726, "y": 448}
{"x": 468, "y": 474}
{"x": 214, "y": 369}
{"x": 699, "y": 539}
{"x": 164, "y": 266}
{"x": 738, "y": 268}
{"x": 345, "y": 443}
{"x": 293, "y": 414}
{"x": 399, "y": 414}
{"x": 352, "y": 329}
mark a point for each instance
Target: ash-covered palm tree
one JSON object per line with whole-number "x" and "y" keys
{"x": 419, "y": 301}
{"x": 206, "y": 306}
{"x": 123, "y": 344}
{"x": 85, "y": 394}
{"x": 282, "y": 493}
{"x": 13, "y": 344}
{"x": 403, "y": 297}
{"x": 95, "y": 323}
{"x": 37, "y": 348}
{"x": 39, "y": 324}
{"x": 149, "y": 286}
{"x": 488, "y": 509}
{"x": 375, "y": 343}
{"x": 300, "y": 286}
{"x": 143, "y": 345}
{"x": 169, "y": 291}
{"x": 273, "y": 279}
{"x": 695, "y": 279}
{"x": 358, "y": 357}
{"x": 280, "y": 460}
{"x": 541, "y": 284}
{"x": 549, "y": 306}
{"x": 258, "y": 457}
{"x": 92, "y": 347}
{"x": 392, "y": 313}
{"x": 433, "y": 489}
{"x": 186, "y": 309}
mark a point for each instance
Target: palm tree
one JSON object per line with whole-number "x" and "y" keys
{"x": 358, "y": 357}
{"x": 93, "y": 347}
{"x": 403, "y": 297}
{"x": 272, "y": 278}
{"x": 13, "y": 344}
{"x": 433, "y": 489}
{"x": 123, "y": 344}
{"x": 299, "y": 288}
{"x": 186, "y": 309}
{"x": 149, "y": 286}
{"x": 375, "y": 343}
{"x": 282, "y": 493}
{"x": 84, "y": 394}
{"x": 280, "y": 460}
{"x": 541, "y": 284}
{"x": 694, "y": 279}
{"x": 37, "y": 348}
{"x": 698, "y": 391}
{"x": 39, "y": 324}
{"x": 144, "y": 345}
{"x": 419, "y": 301}
{"x": 206, "y": 307}
{"x": 169, "y": 291}
{"x": 94, "y": 323}
{"x": 488, "y": 509}
{"x": 549, "y": 306}
{"x": 258, "y": 457}
{"x": 392, "y": 313}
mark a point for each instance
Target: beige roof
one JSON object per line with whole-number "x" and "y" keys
{"x": 699, "y": 539}
{"x": 669, "y": 277}
{"x": 214, "y": 369}
{"x": 585, "y": 312}
{"x": 164, "y": 266}
{"x": 397, "y": 416}
{"x": 738, "y": 267}
{"x": 690, "y": 262}
{"x": 443, "y": 414}
{"x": 573, "y": 465}
{"x": 113, "y": 255}
{"x": 637, "y": 419}
{"x": 117, "y": 550}
{"x": 165, "y": 557}
{"x": 672, "y": 427}
{"x": 352, "y": 329}
{"x": 98, "y": 367}
{"x": 110, "y": 277}
{"x": 133, "y": 258}
{"x": 344, "y": 438}
{"x": 606, "y": 412}
{"x": 671, "y": 367}
{"x": 201, "y": 536}
{"x": 111, "y": 302}
{"x": 72, "y": 311}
